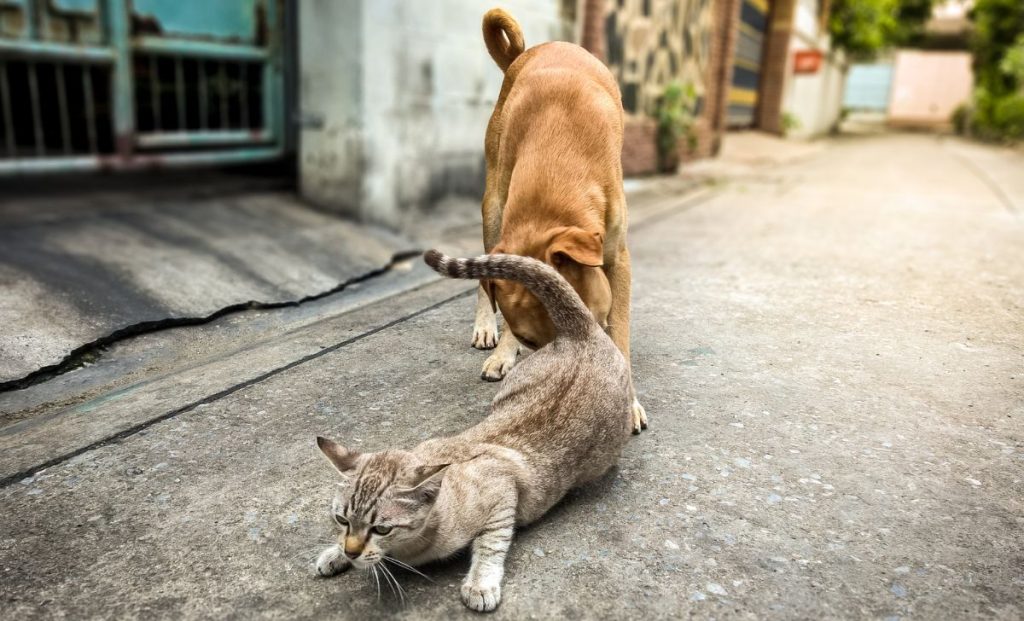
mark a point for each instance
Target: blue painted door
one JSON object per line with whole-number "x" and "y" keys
{"x": 93, "y": 84}
{"x": 747, "y": 61}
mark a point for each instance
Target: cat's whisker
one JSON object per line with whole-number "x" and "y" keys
{"x": 400, "y": 591}
{"x": 387, "y": 578}
{"x": 373, "y": 569}
{"x": 407, "y": 567}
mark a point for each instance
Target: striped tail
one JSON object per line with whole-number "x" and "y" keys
{"x": 570, "y": 315}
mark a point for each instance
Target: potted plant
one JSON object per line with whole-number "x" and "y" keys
{"x": 675, "y": 120}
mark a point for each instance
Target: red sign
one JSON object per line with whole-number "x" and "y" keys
{"x": 807, "y": 61}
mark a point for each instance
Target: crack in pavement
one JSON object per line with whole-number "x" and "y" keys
{"x": 92, "y": 351}
{"x": 671, "y": 206}
{"x": 130, "y": 431}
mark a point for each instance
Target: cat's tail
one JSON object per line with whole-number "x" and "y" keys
{"x": 570, "y": 315}
{"x": 503, "y": 37}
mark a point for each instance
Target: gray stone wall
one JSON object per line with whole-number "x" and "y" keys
{"x": 395, "y": 96}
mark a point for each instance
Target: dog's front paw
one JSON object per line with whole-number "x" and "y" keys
{"x": 497, "y": 365}
{"x": 481, "y": 597}
{"x": 331, "y": 562}
{"x": 485, "y": 334}
{"x": 638, "y": 416}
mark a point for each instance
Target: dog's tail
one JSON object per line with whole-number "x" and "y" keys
{"x": 503, "y": 36}
{"x": 570, "y": 315}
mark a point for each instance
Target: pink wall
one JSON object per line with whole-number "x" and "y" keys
{"x": 928, "y": 86}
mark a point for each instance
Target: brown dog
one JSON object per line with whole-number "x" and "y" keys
{"x": 553, "y": 192}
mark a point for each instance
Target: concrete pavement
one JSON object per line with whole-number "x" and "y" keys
{"x": 831, "y": 354}
{"x": 79, "y": 271}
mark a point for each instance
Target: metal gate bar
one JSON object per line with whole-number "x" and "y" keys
{"x": 5, "y": 101}
{"x": 140, "y": 100}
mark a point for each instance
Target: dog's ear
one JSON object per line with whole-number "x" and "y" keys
{"x": 583, "y": 247}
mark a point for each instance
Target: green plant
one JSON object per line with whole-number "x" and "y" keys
{"x": 675, "y": 119}
{"x": 998, "y": 25}
{"x": 865, "y": 27}
{"x": 1008, "y": 116}
{"x": 790, "y": 122}
{"x": 1012, "y": 64}
{"x": 960, "y": 118}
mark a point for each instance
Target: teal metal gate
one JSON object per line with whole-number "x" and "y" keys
{"x": 868, "y": 87}
{"x": 121, "y": 84}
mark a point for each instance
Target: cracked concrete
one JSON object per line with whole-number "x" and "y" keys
{"x": 831, "y": 355}
{"x": 75, "y": 270}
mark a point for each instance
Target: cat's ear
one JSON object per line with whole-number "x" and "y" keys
{"x": 340, "y": 457}
{"x": 425, "y": 483}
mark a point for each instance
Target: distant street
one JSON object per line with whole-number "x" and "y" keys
{"x": 831, "y": 352}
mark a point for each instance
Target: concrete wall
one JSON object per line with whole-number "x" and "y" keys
{"x": 927, "y": 86}
{"x": 402, "y": 91}
{"x": 814, "y": 100}
{"x": 330, "y": 103}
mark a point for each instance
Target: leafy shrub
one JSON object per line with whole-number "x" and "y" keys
{"x": 960, "y": 118}
{"x": 1008, "y": 116}
{"x": 675, "y": 119}
{"x": 790, "y": 122}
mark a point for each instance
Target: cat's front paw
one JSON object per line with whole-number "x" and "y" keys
{"x": 331, "y": 562}
{"x": 481, "y": 597}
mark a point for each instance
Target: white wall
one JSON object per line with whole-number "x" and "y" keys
{"x": 814, "y": 99}
{"x": 330, "y": 102}
{"x": 927, "y": 86}
{"x": 422, "y": 88}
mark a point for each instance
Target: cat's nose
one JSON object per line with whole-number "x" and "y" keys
{"x": 353, "y": 546}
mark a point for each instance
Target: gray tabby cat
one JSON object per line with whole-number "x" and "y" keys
{"x": 559, "y": 420}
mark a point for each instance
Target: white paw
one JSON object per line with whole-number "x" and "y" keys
{"x": 638, "y": 416}
{"x": 497, "y": 365}
{"x": 331, "y": 562}
{"x": 485, "y": 333}
{"x": 481, "y": 597}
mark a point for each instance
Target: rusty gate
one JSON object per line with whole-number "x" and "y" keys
{"x": 120, "y": 84}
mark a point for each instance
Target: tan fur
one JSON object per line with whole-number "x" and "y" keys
{"x": 559, "y": 420}
{"x": 554, "y": 190}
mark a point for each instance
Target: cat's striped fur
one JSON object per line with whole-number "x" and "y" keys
{"x": 571, "y": 317}
{"x": 560, "y": 419}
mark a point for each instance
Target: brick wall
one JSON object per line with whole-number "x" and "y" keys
{"x": 639, "y": 149}
{"x": 592, "y": 32}
{"x": 726, "y": 18}
{"x": 773, "y": 68}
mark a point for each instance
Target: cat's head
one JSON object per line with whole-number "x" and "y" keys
{"x": 383, "y": 501}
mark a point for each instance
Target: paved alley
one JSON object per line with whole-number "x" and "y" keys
{"x": 831, "y": 352}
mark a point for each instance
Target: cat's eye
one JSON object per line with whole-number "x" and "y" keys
{"x": 381, "y": 530}
{"x": 340, "y": 519}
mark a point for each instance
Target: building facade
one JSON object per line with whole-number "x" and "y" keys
{"x": 382, "y": 103}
